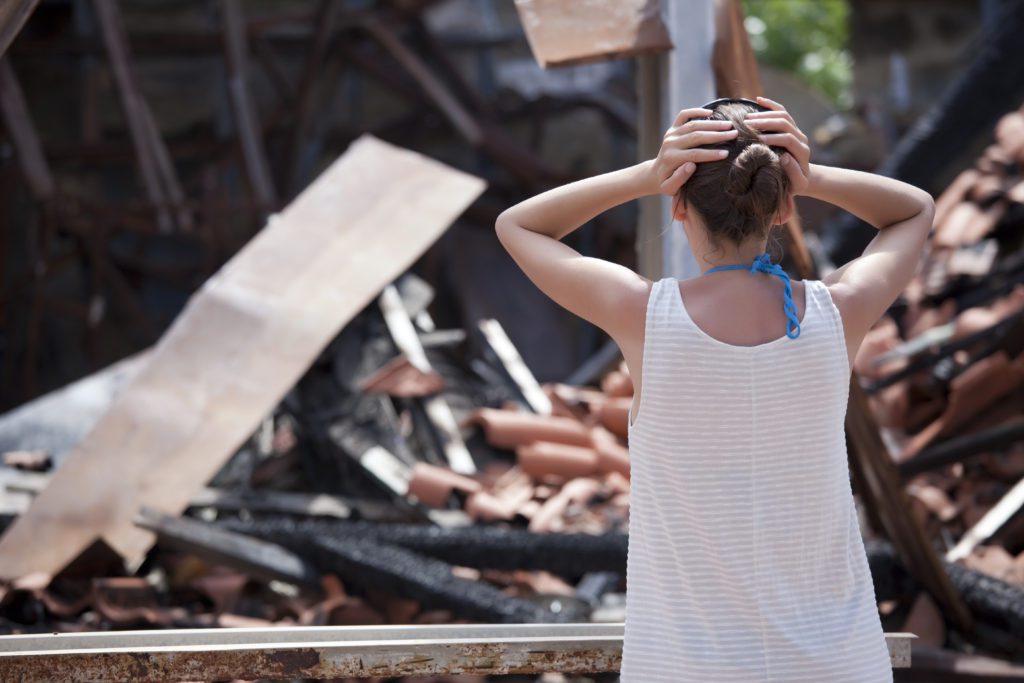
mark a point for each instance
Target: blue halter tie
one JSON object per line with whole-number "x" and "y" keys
{"x": 763, "y": 263}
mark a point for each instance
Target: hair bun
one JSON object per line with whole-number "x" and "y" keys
{"x": 744, "y": 169}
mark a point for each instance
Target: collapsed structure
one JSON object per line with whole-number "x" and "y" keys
{"x": 307, "y": 447}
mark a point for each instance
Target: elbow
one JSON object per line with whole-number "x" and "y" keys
{"x": 927, "y": 210}
{"x": 502, "y": 225}
{"x": 927, "y": 203}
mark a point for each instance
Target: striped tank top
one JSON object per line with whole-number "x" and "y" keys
{"x": 745, "y": 556}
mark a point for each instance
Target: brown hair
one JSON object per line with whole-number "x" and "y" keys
{"x": 739, "y": 195}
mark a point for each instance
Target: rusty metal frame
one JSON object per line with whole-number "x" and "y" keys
{"x": 327, "y": 652}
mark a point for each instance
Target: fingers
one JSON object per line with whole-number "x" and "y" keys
{"x": 691, "y": 126}
{"x": 782, "y": 125}
{"x": 800, "y": 151}
{"x": 771, "y": 104}
{"x": 678, "y": 178}
{"x": 692, "y": 113}
{"x": 695, "y": 154}
{"x": 797, "y": 176}
{"x": 700, "y": 137}
{"x": 672, "y": 160}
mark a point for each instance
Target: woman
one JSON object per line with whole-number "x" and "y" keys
{"x": 746, "y": 561}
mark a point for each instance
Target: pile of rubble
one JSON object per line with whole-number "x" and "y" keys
{"x": 945, "y": 372}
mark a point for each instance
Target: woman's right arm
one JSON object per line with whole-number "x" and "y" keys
{"x": 866, "y": 287}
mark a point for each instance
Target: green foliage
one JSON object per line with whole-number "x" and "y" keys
{"x": 808, "y": 38}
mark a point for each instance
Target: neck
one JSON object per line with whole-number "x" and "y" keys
{"x": 729, "y": 255}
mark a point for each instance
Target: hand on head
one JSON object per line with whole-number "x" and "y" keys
{"x": 688, "y": 139}
{"x": 779, "y": 129}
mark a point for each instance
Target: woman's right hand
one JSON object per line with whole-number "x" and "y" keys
{"x": 682, "y": 148}
{"x": 778, "y": 128}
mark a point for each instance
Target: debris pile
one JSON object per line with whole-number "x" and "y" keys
{"x": 343, "y": 507}
{"x": 945, "y": 372}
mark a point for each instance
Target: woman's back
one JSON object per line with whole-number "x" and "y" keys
{"x": 745, "y": 555}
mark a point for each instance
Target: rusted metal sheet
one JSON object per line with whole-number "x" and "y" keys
{"x": 327, "y": 652}
{"x": 563, "y": 33}
{"x": 241, "y": 343}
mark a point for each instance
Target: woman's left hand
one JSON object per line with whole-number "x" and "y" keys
{"x": 681, "y": 149}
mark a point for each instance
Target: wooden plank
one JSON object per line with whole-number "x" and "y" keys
{"x": 322, "y": 652}
{"x": 13, "y": 15}
{"x": 562, "y": 33}
{"x": 240, "y": 344}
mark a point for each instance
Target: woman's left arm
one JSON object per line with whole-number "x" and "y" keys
{"x": 597, "y": 290}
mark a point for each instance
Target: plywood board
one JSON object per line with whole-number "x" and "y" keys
{"x": 241, "y": 343}
{"x": 562, "y": 33}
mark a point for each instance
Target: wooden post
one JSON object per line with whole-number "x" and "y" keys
{"x": 669, "y": 82}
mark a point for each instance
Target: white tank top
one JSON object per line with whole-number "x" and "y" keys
{"x": 746, "y": 561}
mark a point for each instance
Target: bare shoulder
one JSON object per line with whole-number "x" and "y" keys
{"x": 630, "y": 338}
{"x": 843, "y": 298}
{"x": 635, "y": 296}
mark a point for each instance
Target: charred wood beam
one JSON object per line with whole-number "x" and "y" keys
{"x": 373, "y": 563}
{"x": 158, "y": 175}
{"x": 247, "y": 126}
{"x": 482, "y": 547}
{"x": 880, "y": 484}
{"x": 265, "y": 53}
{"x": 961, "y": 448}
{"x": 448, "y": 69}
{"x": 994, "y": 604}
{"x": 23, "y": 134}
{"x": 467, "y": 124}
{"x": 529, "y": 169}
{"x": 306, "y": 94}
{"x": 993, "y": 338}
{"x": 253, "y": 556}
{"x": 13, "y": 15}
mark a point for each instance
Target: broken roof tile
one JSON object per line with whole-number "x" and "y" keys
{"x": 432, "y": 485}
{"x": 510, "y": 428}
{"x": 542, "y": 459}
